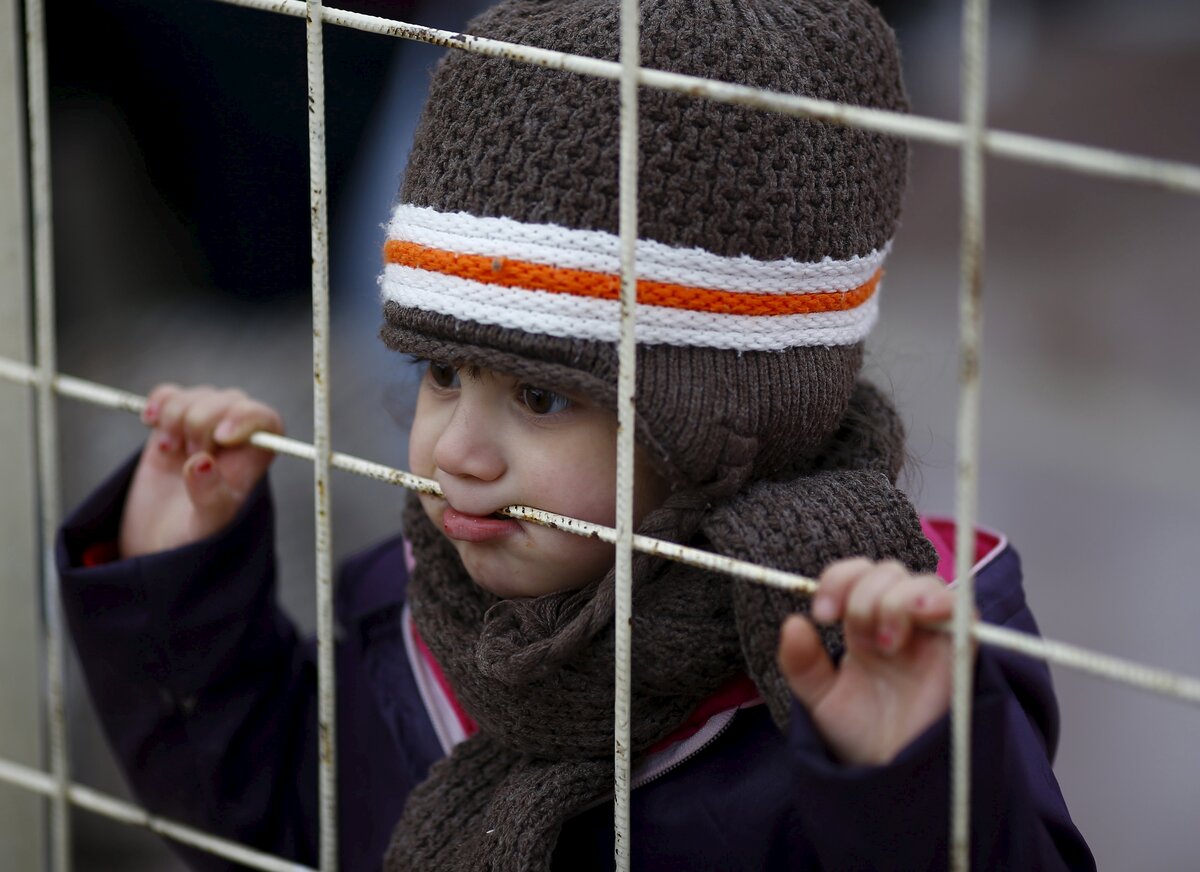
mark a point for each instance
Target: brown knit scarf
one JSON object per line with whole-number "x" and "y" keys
{"x": 537, "y": 674}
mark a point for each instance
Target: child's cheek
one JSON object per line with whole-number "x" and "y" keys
{"x": 591, "y": 497}
{"x": 422, "y": 438}
{"x": 434, "y": 507}
{"x": 590, "y": 473}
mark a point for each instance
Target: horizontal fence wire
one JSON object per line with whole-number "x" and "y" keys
{"x": 1120, "y": 670}
{"x": 119, "y": 810}
{"x": 1090, "y": 160}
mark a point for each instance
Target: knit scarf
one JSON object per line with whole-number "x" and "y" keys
{"x": 536, "y": 674}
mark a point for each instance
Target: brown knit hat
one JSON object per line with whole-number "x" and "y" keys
{"x": 761, "y": 236}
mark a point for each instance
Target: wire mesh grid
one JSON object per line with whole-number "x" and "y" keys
{"x": 970, "y": 136}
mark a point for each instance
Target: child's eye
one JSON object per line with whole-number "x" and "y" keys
{"x": 543, "y": 402}
{"x": 443, "y": 374}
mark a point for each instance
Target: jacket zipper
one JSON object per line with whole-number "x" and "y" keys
{"x": 642, "y": 782}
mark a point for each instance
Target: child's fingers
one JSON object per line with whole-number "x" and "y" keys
{"x": 213, "y": 501}
{"x": 804, "y": 662}
{"x": 862, "y": 605}
{"x": 164, "y": 451}
{"x": 836, "y": 583}
{"x": 243, "y": 418}
{"x": 202, "y": 415}
{"x": 174, "y": 408}
{"x": 897, "y": 609}
{"x": 155, "y": 400}
{"x": 936, "y": 604}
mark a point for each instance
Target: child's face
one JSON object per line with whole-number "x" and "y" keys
{"x": 492, "y": 441}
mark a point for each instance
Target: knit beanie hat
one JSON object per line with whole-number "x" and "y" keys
{"x": 761, "y": 236}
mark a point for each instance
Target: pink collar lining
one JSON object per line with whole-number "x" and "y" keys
{"x": 941, "y": 532}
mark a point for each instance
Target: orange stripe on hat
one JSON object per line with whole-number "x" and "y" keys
{"x": 511, "y": 273}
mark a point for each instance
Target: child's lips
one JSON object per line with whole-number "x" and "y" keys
{"x": 476, "y": 528}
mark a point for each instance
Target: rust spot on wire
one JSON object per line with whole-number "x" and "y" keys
{"x": 326, "y": 745}
{"x": 969, "y": 366}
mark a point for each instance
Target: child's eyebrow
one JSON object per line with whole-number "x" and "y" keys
{"x": 471, "y": 370}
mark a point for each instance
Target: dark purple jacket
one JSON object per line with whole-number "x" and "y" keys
{"x": 208, "y": 697}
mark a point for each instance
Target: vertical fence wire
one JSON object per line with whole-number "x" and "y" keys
{"x": 326, "y": 692}
{"x": 974, "y": 96}
{"x": 47, "y": 420}
{"x": 626, "y": 423}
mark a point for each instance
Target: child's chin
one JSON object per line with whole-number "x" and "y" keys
{"x": 505, "y": 588}
{"x": 488, "y": 578}
{"x": 501, "y": 589}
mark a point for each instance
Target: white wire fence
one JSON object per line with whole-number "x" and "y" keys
{"x": 971, "y": 137}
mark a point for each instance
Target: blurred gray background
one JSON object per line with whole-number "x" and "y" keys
{"x": 1091, "y": 399}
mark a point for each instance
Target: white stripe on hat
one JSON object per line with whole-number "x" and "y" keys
{"x": 598, "y": 251}
{"x": 570, "y": 316}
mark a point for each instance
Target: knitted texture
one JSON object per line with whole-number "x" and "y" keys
{"x": 511, "y": 140}
{"x": 846, "y": 506}
{"x": 552, "y": 280}
{"x": 536, "y": 674}
{"x": 518, "y": 144}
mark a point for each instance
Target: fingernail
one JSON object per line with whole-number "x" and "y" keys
{"x": 885, "y": 638}
{"x": 823, "y": 611}
{"x": 166, "y": 444}
{"x": 224, "y": 431}
{"x": 204, "y": 467}
{"x": 150, "y": 413}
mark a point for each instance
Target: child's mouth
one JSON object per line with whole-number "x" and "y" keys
{"x": 477, "y": 528}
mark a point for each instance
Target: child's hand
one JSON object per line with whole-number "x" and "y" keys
{"x": 895, "y": 678}
{"x": 197, "y": 467}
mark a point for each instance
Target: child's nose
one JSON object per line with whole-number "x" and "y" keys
{"x": 469, "y": 446}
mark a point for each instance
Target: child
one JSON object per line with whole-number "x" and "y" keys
{"x": 475, "y": 660}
